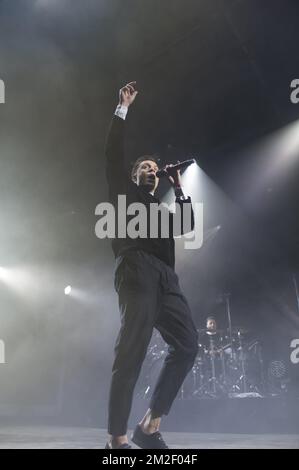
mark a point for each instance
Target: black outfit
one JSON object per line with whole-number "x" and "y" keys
{"x": 206, "y": 339}
{"x": 149, "y": 296}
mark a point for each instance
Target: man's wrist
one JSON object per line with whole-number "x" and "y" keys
{"x": 121, "y": 111}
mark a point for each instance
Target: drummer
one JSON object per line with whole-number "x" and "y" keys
{"x": 211, "y": 326}
{"x": 211, "y": 335}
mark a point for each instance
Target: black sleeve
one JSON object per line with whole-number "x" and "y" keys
{"x": 115, "y": 158}
{"x": 178, "y": 228}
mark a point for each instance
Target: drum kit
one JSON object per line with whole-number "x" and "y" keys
{"x": 229, "y": 363}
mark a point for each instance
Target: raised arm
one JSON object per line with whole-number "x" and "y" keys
{"x": 114, "y": 150}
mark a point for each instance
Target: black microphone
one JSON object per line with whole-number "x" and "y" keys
{"x": 174, "y": 168}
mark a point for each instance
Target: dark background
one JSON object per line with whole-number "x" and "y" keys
{"x": 214, "y": 83}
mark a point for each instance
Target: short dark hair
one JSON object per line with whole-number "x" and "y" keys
{"x": 139, "y": 160}
{"x": 211, "y": 317}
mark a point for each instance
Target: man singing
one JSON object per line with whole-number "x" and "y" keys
{"x": 148, "y": 292}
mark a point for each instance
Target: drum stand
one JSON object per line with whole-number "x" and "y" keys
{"x": 243, "y": 378}
{"x": 199, "y": 384}
{"x": 216, "y": 386}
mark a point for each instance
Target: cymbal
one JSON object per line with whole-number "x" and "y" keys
{"x": 209, "y": 332}
{"x": 240, "y": 329}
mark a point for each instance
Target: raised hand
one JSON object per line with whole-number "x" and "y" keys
{"x": 127, "y": 94}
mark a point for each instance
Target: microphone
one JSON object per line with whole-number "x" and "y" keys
{"x": 174, "y": 168}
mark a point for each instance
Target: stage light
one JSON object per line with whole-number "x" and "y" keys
{"x": 7, "y": 275}
{"x": 68, "y": 290}
{"x": 191, "y": 179}
{"x": 2, "y": 272}
{"x": 211, "y": 233}
{"x": 273, "y": 159}
{"x": 20, "y": 280}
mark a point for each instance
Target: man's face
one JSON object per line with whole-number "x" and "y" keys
{"x": 211, "y": 325}
{"x": 146, "y": 175}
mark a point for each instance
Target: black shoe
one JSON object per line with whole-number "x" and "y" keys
{"x": 122, "y": 446}
{"x": 148, "y": 441}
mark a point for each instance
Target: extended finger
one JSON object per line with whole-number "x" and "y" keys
{"x": 132, "y": 86}
{"x": 126, "y": 90}
{"x": 131, "y": 89}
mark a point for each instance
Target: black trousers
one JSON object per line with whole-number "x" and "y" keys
{"x": 149, "y": 296}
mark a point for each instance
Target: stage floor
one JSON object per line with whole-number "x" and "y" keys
{"x": 52, "y": 437}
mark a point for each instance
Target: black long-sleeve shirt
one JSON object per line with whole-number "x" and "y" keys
{"x": 119, "y": 183}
